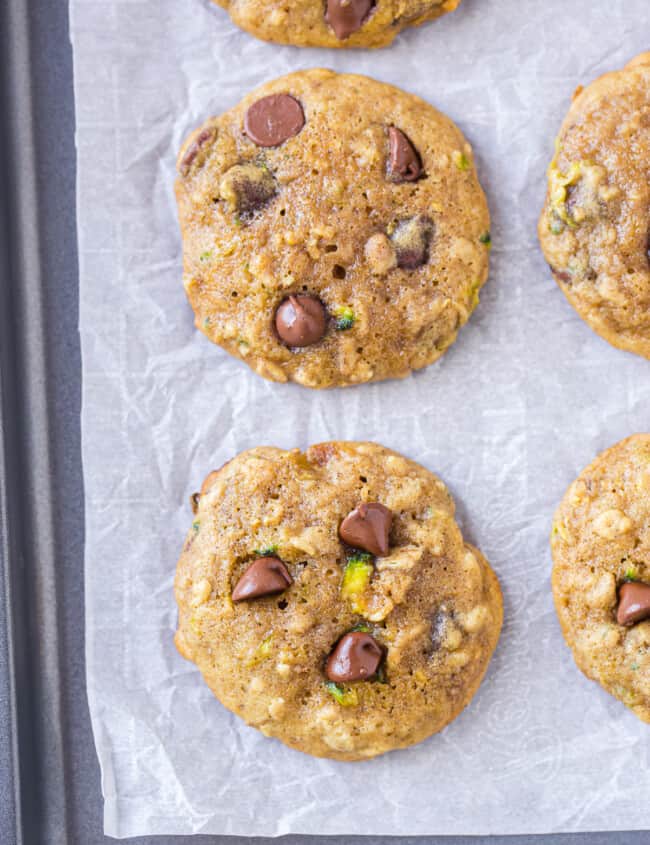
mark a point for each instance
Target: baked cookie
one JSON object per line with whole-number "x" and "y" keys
{"x": 595, "y": 226}
{"x": 334, "y": 230}
{"x": 329, "y": 599}
{"x": 601, "y": 571}
{"x": 333, "y": 23}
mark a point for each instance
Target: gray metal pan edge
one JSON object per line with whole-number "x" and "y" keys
{"x": 49, "y": 779}
{"x": 9, "y": 818}
{"x": 29, "y": 575}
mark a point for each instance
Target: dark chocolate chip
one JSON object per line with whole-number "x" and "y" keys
{"x": 301, "y": 320}
{"x": 266, "y": 576}
{"x": 356, "y": 657}
{"x": 404, "y": 164}
{"x": 270, "y": 121}
{"x": 247, "y": 188}
{"x": 368, "y": 527}
{"x": 347, "y": 16}
{"x": 193, "y": 150}
{"x": 633, "y": 603}
{"x": 411, "y": 239}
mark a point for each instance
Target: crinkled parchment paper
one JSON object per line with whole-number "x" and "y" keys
{"x": 524, "y": 399}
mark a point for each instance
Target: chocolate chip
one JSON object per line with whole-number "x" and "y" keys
{"x": 194, "y": 149}
{"x": 247, "y": 188}
{"x": 270, "y": 121}
{"x": 194, "y": 501}
{"x": 404, "y": 164}
{"x": 356, "y": 657}
{"x": 411, "y": 239}
{"x": 301, "y": 320}
{"x": 367, "y": 527}
{"x": 266, "y": 576}
{"x": 633, "y": 603}
{"x": 561, "y": 275}
{"x": 347, "y": 16}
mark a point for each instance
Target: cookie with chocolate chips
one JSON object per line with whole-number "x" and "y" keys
{"x": 330, "y": 600}
{"x": 333, "y": 23}
{"x": 334, "y": 230}
{"x": 595, "y": 225}
{"x": 601, "y": 571}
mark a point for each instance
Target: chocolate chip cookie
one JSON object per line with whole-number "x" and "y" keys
{"x": 333, "y": 23}
{"x": 601, "y": 572}
{"x": 595, "y": 226}
{"x": 334, "y": 230}
{"x": 329, "y": 599}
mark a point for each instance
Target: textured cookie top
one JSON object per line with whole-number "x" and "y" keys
{"x": 334, "y": 230}
{"x": 601, "y": 572}
{"x": 333, "y": 23}
{"x": 595, "y": 226}
{"x": 335, "y": 650}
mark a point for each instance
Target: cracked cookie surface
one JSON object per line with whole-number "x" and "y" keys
{"x": 601, "y": 571}
{"x": 346, "y": 191}
{"x": 595, "y": 225}
{"x": 333, "y": 23}
{"x": 335, "y": 651}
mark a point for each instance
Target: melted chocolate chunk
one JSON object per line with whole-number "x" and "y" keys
{"x": 247, "y": 187}
{"x": 411, "y": 239}
{"x": 272, "y": 120}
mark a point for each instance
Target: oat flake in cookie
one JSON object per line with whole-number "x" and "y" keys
{"x": 601, "y": 571}
{"x": 335, "y": 650}
{"x": 334, "y": 230}
{"x": 333, "y": 23}
{"x": 595, "y": 226}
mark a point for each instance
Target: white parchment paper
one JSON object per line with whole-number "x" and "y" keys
{"x": 521, "y": 402}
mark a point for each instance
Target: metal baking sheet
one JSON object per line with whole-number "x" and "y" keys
{"x": 49, "y": 778}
